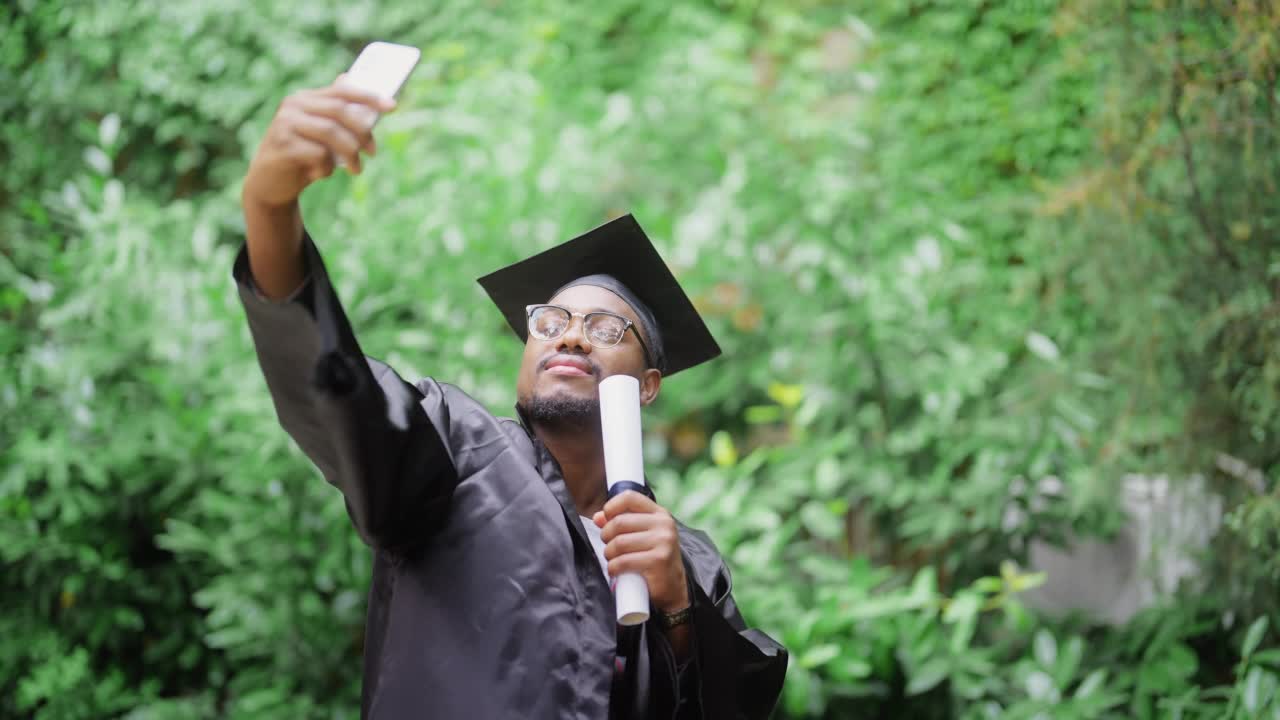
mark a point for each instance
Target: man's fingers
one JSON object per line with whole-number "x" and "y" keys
{"x": 315, "y": 160}
{"x": 599, "y": 519}
{"x": 347, "y": 91}
{"x": 632, "y": 542}
{"x": 319, "y": 160}
{"x": 308, "y": 151}
{"x": 333, "y": 136}
{"x": 356, "y": 119}
{"x": 630, "y": 501}
{"x": 632, "y": 523}
{"x": 646, "y": 563}
{"x": 626, "y": 523}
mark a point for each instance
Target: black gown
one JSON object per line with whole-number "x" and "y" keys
{"x": 487, "y": 599}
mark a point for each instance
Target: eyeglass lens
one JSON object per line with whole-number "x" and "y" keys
{"x": 603, "y": 330}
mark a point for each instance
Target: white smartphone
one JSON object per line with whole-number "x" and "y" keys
{"x": 381, "y": 68}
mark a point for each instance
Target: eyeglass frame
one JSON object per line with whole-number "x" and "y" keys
{"x": 630, "y": 325}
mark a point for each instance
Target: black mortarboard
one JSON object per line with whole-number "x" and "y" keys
{"x": 618, "y": 249}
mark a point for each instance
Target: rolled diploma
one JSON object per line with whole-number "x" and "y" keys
{"x": 620, "y": 428}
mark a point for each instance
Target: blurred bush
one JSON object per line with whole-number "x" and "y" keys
{"x": 950, "y": 249}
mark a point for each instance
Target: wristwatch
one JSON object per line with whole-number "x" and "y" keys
{"x": 675, "y": 619}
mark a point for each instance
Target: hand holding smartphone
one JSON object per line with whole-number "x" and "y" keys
{"x": 317, "y": 129}
{"x": 313, "y": 130}
{"x": 381, "y": 68}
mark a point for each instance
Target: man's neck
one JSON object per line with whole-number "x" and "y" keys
{"x": 580, "y": 454}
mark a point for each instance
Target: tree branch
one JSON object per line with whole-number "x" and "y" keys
{"x": 1188, "y": 158}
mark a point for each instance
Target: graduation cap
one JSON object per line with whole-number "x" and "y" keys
{"x": 619, "y": 257}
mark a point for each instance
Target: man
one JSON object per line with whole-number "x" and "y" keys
{"x": 492, "y": 538}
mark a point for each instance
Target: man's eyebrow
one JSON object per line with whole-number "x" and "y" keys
{"x": 594, "y": 309}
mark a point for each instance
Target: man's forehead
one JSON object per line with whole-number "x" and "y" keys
{"x": 591, "y": 298}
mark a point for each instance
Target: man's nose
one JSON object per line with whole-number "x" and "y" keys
{"x": 575, "y": 337}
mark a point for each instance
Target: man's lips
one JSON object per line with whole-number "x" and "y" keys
{"x": 571, "y": 366}
{"x": 566, "y": 370}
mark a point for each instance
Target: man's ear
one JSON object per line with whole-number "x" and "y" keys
{"x": 650, "y": 384}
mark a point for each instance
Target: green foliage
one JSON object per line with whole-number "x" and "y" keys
{"x": 949, "y": 249}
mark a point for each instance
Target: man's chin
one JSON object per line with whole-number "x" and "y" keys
{"x": 563, "y": 407}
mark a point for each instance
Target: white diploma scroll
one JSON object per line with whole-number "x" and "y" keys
{"x": 620, "y": 426}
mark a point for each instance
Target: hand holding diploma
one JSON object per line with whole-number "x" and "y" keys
{"x": 641, "y": 537}
{"x": 642, "y": 544}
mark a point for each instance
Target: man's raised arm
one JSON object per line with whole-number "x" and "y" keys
{"x": 374, "y": 436}
{"x": 312, "y": 129}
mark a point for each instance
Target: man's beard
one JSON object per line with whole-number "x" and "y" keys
{"x": 562, "y": 413}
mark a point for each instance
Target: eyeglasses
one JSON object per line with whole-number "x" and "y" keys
{"x": 603, "y": 329}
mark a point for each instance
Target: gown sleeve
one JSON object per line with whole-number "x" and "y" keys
{"x": 375, "y": 437}
{"x": 734, "y": 671}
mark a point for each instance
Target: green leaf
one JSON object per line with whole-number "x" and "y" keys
{"x": 827, "y": 477}
{"x": 1069, "y": 655}
{"x": 108, "y": 130}
{"x": 819, "y": 655}
{"x": 1256, "y": 690}
{"x": 927, "y": 676}
{"x": 763, "y": 414}
{"x": 924, "y": 585}
{"x": 1046, "y": 648}
{"x": 1041, "y": 345}
{"x": 788, "y": 396}
{"x": 98, "y": 160}
{"x": 850, "y": 668}
{"x": 820, "y": 521}
{"x": 723, "y": 451}
{"x": 964, "y": 606}
{"x": 798, "y": 691}
{"x": 1039, "y": 686}
{"x": 1253, "y": 637}
{"x": 1022, "y": 582}
{"x": 877, "y": 607}
{"x": 1092, "y": 682}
